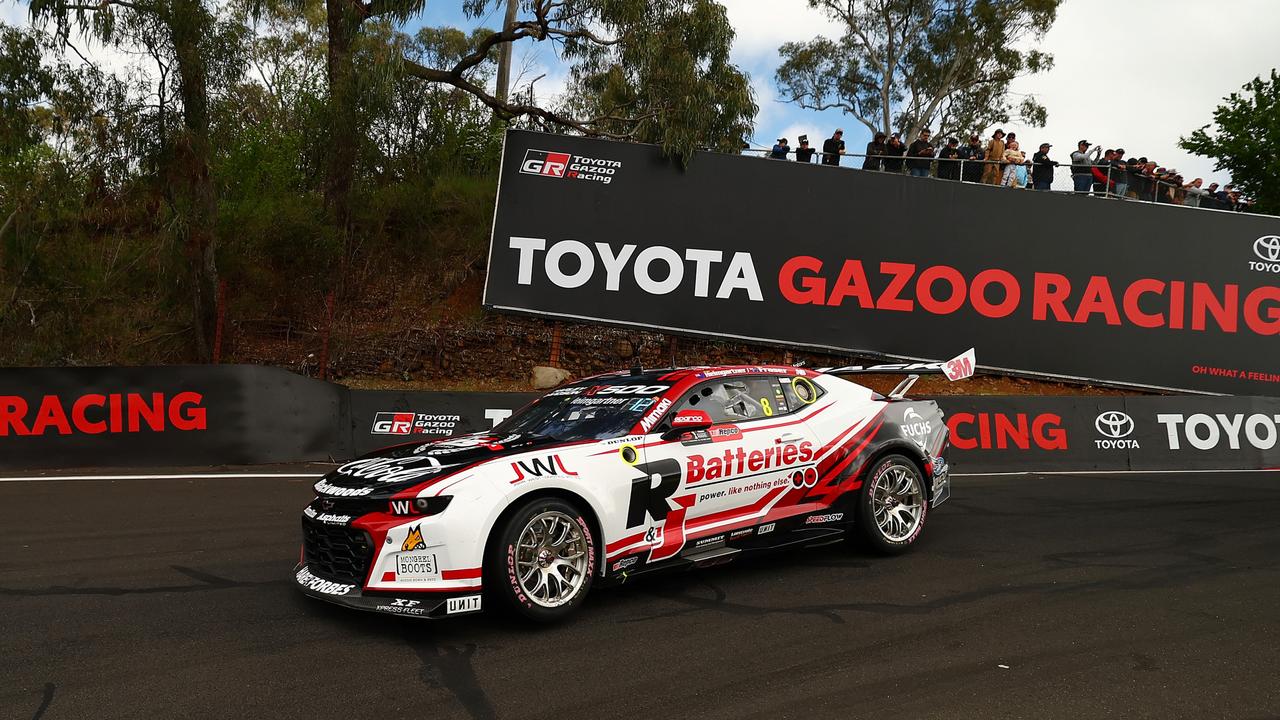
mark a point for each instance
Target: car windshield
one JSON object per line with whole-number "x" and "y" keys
{"x": 584, "y": 412}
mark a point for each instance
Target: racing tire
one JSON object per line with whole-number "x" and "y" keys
{"x": 891, "y": 506}
{"x": 542, "y": 560}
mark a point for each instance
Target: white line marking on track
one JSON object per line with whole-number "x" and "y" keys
{"x": 193, "y": 476}
{"x": 1109, "y": 472}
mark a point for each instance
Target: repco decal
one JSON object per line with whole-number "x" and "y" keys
{"x": 94, "y": 414}
{"x": 651, "y": 498}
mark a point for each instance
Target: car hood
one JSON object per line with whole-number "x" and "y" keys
{"x": 385, "y": 472}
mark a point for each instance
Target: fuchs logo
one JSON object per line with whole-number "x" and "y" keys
{"x": 1115, "y": 427}
{"x": 413, "y": 541}
{"x": 1267, "y": 248}
{"x": 1206, "y": 432}
{"x": 572, "y": 167}
{"x": 541, "y": 162}
{"x": 915, "y": 426}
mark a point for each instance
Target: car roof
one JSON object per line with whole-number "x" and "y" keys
{"x": 679, "y": 375}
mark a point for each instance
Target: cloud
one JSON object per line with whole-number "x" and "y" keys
{"x": 762, "y": 27}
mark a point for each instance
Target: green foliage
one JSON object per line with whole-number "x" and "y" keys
{"x": 1245, "y": 141}
{"x": 909, "y": 64}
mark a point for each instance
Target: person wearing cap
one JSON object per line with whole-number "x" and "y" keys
{"x": 1042, "y": 168}
{"x": 875, "y": 153}
{"x": 833, "y": 148}
{"x": 949, "y": 160}
{"x": 921, "y": 154}
{"x": 991, "y": 171}
{"x": 780, "y": 150}
{"x": 1082, "y": 166}
{"x": 804, "y": 153}
{"x": 894, "y": 149}
{"x": 971, "y": 160}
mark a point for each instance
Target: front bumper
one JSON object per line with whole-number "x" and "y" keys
{"x": 429, "y": 605}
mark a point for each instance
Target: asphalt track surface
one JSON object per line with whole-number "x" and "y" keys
{"x": 1072, "y": 596}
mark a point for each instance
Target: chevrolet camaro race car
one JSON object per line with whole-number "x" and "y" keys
{"x": 622, "y": 474}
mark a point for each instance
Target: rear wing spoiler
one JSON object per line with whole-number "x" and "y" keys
{"x": 957, "y": 368}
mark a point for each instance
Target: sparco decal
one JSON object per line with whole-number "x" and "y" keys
{"x": 657, "y": 269}
{"x": 572, "y": 167}
{"x": 1267, "y": 248}
{"x": 1115, "y": 428}
{"x": 741, "y": 462}
{"x": 987, "y": 431}
{"x": 1206, "y": 432}
{"x": 94, "y": 414}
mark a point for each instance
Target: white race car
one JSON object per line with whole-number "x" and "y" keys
{"x": 618, "y": 475}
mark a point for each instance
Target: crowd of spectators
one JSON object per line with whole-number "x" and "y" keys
{"x": 1001, "y": 161}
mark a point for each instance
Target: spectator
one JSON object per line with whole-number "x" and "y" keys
{"x": 894, "y": 149}
{"x": 779, "y": 151}
{"x": 1042, "y": 168}
{"x": 1101, "y": 167}
{"x": 949, "y": 160}
{"x": 1224, "y": 195}
{"x": 1013, "y": 158}
{"x": 921, "y": 154}
{"x": 804, "y": 153}
{"x": 833, "y": 148}
{"x": 1194, "y": 193}
{"x": 994, "y": 154}
{"x": 1118, "y": 175}
{"x": 971, "y": 154}
{"x": 1082, "y": 166}
{"x": 875, "y": 153}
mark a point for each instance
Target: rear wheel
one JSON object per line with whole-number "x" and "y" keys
{"x": 892, "y": 506}
{"x": 543, "y": 560}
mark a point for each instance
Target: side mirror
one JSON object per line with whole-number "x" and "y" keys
{"x": 688, "y": 421}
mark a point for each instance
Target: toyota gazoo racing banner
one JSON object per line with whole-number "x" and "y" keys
{"x": 890, "y": 266}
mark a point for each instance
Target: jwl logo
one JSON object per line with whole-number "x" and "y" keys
{"x": 547, "y": 465}
{"x": 1115, "y": 427}
{"x": 1267, "y": 248}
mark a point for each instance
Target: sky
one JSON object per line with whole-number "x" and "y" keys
{"x": 1136, "y": 74}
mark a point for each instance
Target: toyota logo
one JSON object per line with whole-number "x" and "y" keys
{"x": 1114, "y": 424}
{"x": 1267, "y": 247}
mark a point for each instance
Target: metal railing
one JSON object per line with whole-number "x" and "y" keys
{"x": 1108, "y": 182}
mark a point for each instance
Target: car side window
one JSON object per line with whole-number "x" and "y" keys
{"x": 737, "y": 399}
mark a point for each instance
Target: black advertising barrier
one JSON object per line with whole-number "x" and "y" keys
{"x": 174, "y": 415}
{"x": 887, "y": 265}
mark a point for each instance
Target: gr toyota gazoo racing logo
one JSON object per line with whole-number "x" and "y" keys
{"x": 569, "y": 166}
{"x": 1267, "y": 248}
{"x": 1115, "y": 428}
{"x": 407, "y": 423}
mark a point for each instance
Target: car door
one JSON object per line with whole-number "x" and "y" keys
{"x": 707, "y": 485}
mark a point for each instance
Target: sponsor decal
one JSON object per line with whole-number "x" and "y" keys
{"x": 962, "y": 366}
{"x": 391, "y": 470}
{"x": 324, "y": 488}
{"x": 652, "y": 495}
{"x": 708, "y": 541}
{"x": 1267, "y": 248}
{"x": 1115, "y": 427}
{"x": 408, "y": 423}
{"x": 648, "y": 421}
{"x": 741, "y": 533}
{"x": 464, "y": 604}
{"x": 656, "y": 270}
{"x": 545, "y": 466}
{"x": 988, "y": 431}
{"x": 325, "y": 587}
{"x": 598, "y": 401}
{"x": 570, "y": 390}
{"x": 626, "y": 389}
{"x": 95, "y": 414}
{"x": 807, "y": 477}
{"x": 767, "y": 528}
{"x": 414, "y": 540}
{"x": 548, "y": 163}
{"x": 1206, "y": 432}
{"x": 915, "y": 426}
{"x": 417, "y": 566}
{"x": 625, "y": 563}
{"x": 819, "y": 519}
{"x": 742, "y": 462}
{"x": 642, "y": 403}
{"x": 402, "y": 606}
{"x": 326, "y": 518}
{"x": 726, "y": 372}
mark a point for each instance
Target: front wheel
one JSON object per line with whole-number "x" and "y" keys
{"x": 892, "y": 506}
{"x": 543, "y": 560}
